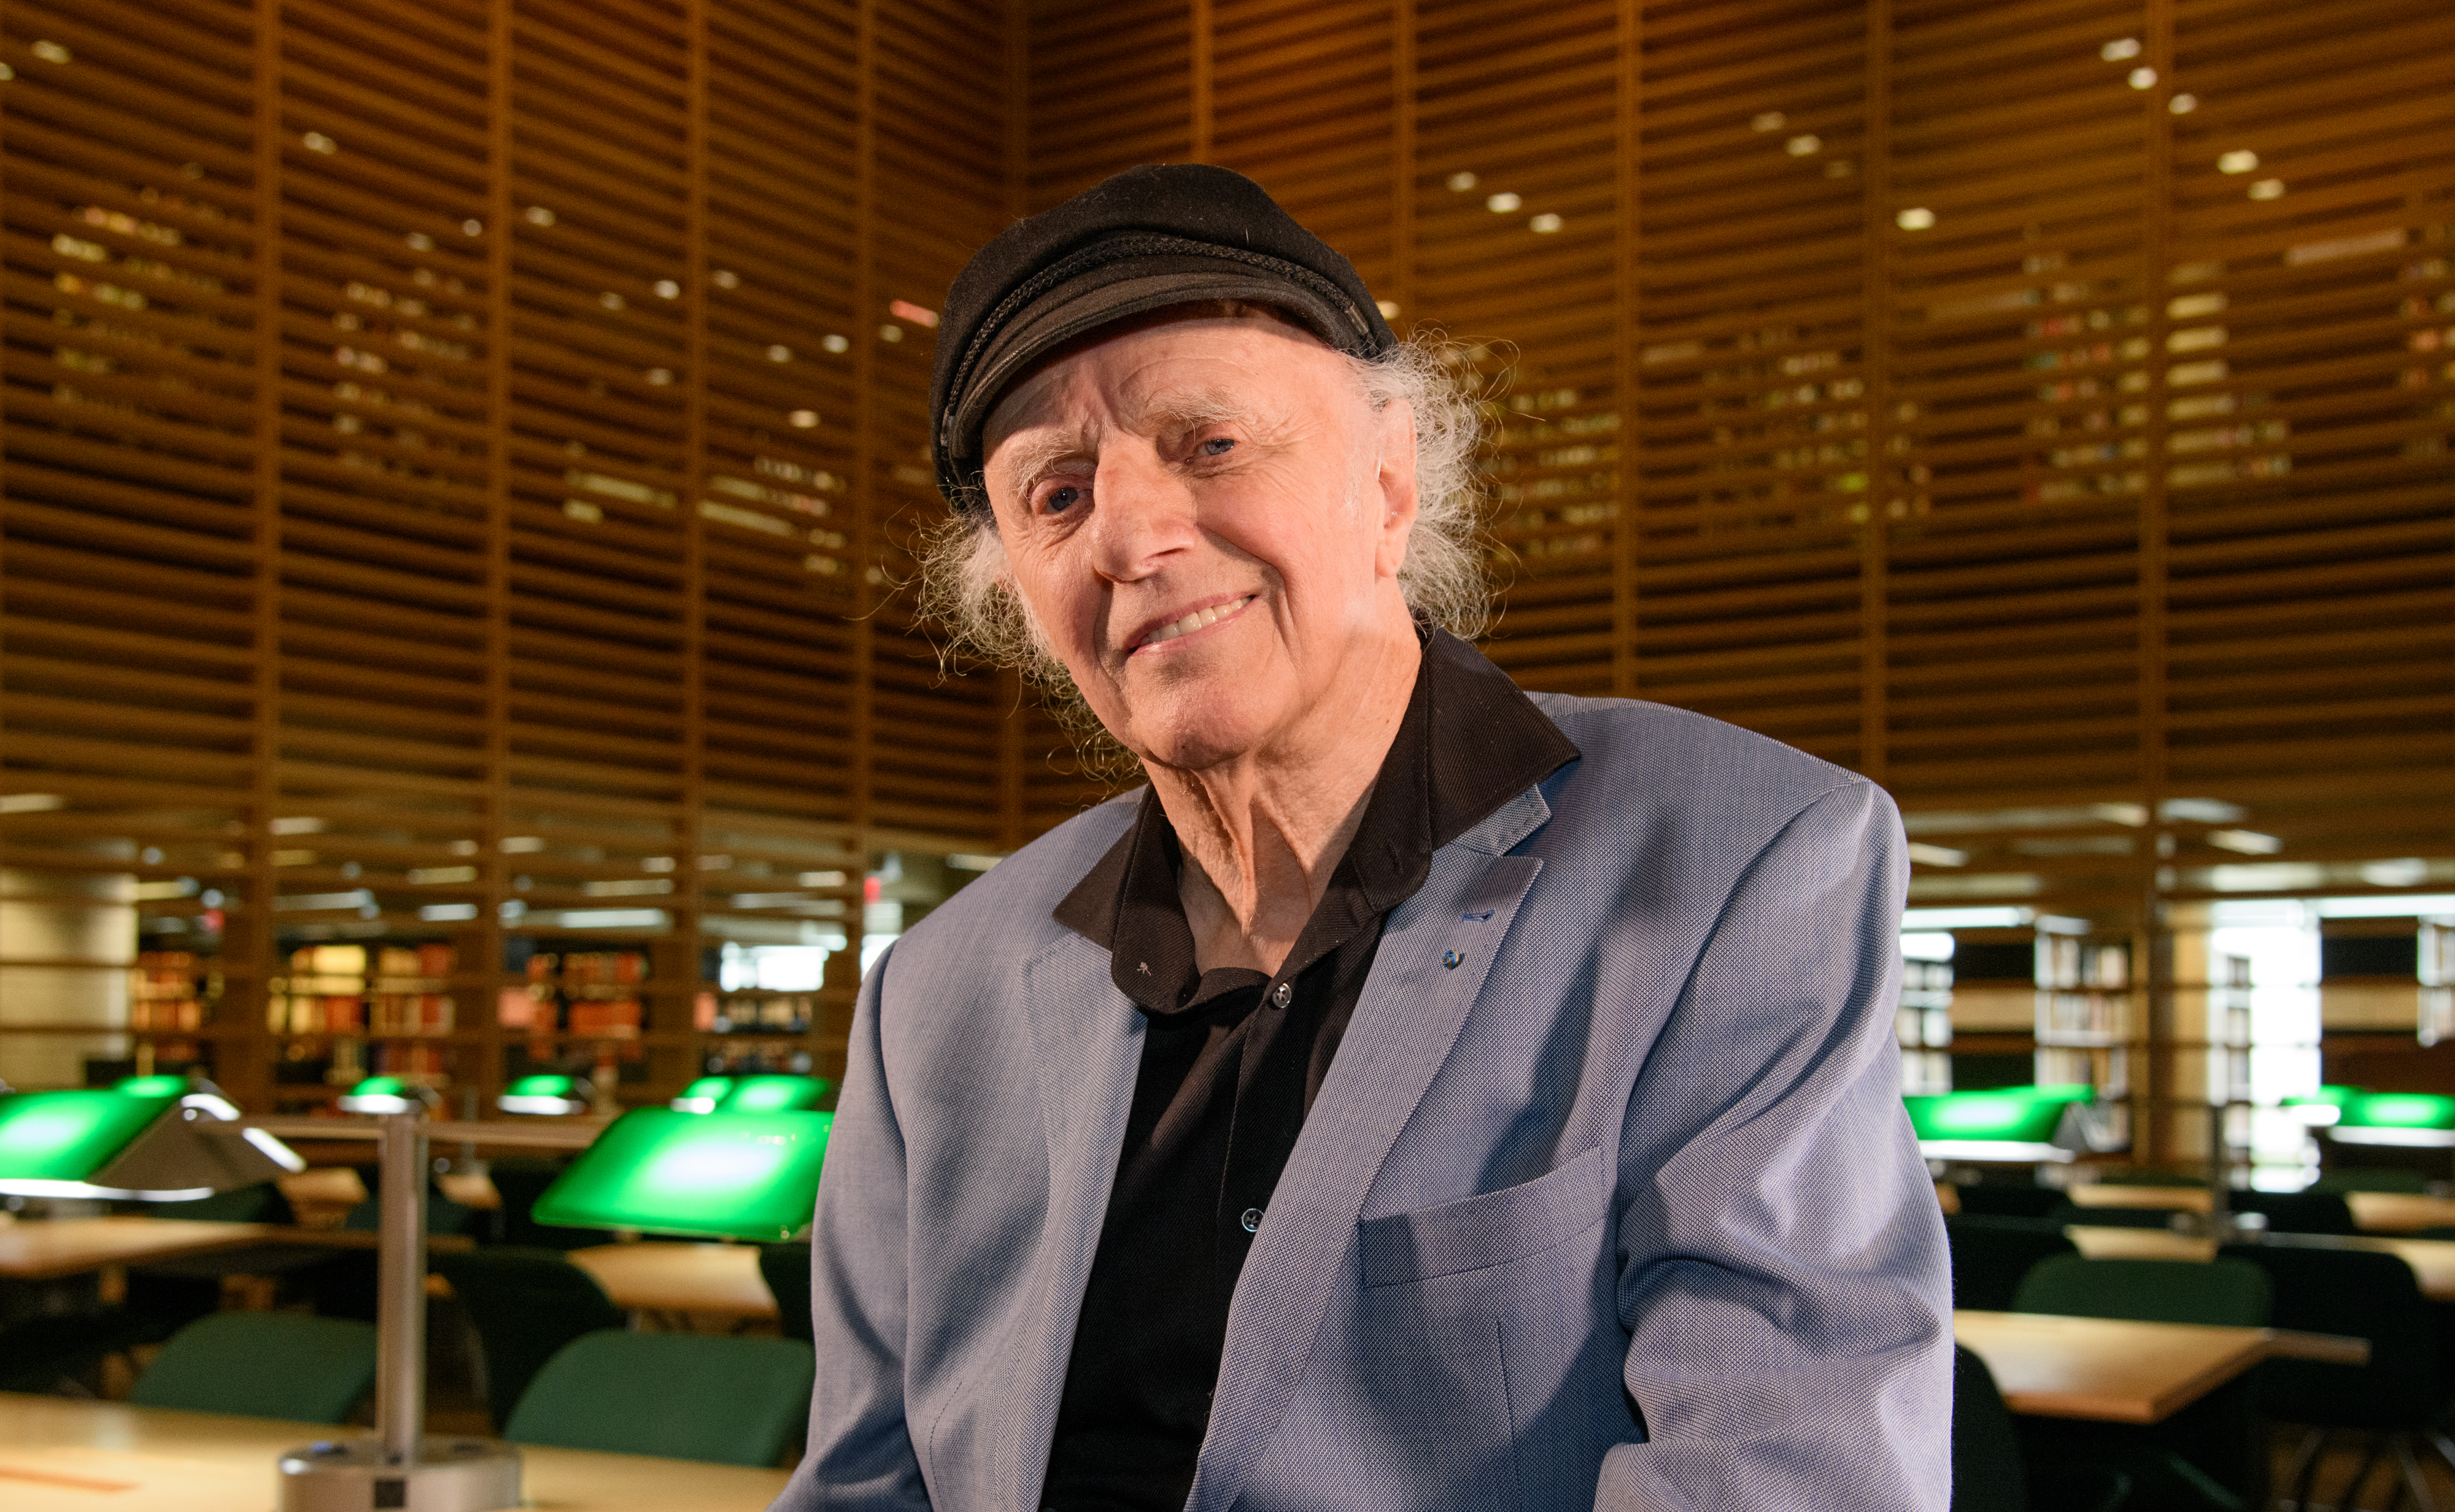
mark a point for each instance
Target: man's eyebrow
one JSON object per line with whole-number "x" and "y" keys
{"x": 1030, "y": 459}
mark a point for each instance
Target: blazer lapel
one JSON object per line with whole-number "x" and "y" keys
{"x": 1087, "y": 1040}
{"x": 1412, "y": 1009}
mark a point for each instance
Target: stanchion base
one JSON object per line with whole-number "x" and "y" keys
{"x": 351, "y": 1475}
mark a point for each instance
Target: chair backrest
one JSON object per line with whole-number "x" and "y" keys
{"x": 526, "y": 1304}
{"x": 2366, "y": 1293}
{"x": 2007, "y": 1201}
{"x": 264, "y": 1365}
{"x": 2298, "y": 1212}
{"x": 1989, "y": 1256}
{"x": 683, "y": 1395}
{"x": 520, "y": 1183}
{"x": 2223, "y": 1291}
{"x": 2373, "y": 1179}
{"x": 786, "y": 1270}
{"x": 1986, "y": 1468}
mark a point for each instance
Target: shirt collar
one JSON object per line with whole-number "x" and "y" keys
{"x": 1471, "y": 740}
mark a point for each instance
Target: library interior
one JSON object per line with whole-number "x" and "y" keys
{"x": 463, "y": 474}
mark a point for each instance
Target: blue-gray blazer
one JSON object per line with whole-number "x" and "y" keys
{"x": 1609, "y": 1199}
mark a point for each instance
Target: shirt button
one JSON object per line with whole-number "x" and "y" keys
{"x": 1252, "y": 1220}
{"x": 1281, "y": 994}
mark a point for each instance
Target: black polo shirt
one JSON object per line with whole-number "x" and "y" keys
{"x": 1231, "y": 1061}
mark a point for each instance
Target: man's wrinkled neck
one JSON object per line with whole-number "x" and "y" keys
{"x": 1262, "y": 832}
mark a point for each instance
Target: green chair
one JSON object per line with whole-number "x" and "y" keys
{"x": 264, "y": 1365}
{"x": 2210, "y": 1455}
{"x": 2367, "y": 1178}
{"x": 683, "y": 1395}
{"x": 526, "y": 1304}
{"x": 1989, "y": 1471}
{"x": 2224, "y": 1292}
{"x": 785, "y": 1269}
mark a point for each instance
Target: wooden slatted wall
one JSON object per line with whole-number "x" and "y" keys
{"x": 459, "y": 461}
{"x": 1921, "y": 383}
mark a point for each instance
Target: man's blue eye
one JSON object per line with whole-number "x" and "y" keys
{"x": 1063, "y": 496}
{"x": 1218, "y": 446}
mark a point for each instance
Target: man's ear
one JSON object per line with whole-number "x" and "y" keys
{"x": 1394, "y": 484}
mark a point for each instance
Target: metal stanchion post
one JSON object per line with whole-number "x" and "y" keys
{"x": 401, "y": 1468}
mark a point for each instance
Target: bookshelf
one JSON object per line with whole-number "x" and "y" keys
{"x": 1922, "y": 1026}
{"x": 2086, "y": 1026}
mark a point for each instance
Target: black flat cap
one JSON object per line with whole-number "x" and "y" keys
{"x": 1147, "y": 238}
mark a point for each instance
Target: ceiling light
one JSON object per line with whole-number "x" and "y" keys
{"x": 2143, "y": 78}
{"x": 1801, "y": 145}
{"x": 667, "y": 289}
{"x": 2267, "y": 188}
{"x": 1770, "y": 121}
{"x": 2119, "y": 49}
{"x": 803, "y": 419}
{"x": 1502, "y": 203}
{"x": 1460, "y": 183}
{"x": 1545, "y": 223}
{"x": 2183, "y": 104}
{"x": 1915, "y": 219}
{"x": 2241, "y": 160}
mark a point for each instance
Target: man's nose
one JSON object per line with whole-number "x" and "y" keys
{"x": 1142, "y": 512}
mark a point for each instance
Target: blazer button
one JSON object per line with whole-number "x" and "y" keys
{"x": 1252, "y": 1220}
{"x": 1450, "y": 959}
{"x": 1283, "y": 993}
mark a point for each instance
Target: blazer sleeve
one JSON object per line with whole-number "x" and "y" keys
{"x": 1782, "y": 1273}
{"x": 860, "y": 1454}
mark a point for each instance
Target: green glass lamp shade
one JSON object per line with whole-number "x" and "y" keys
{"x": 2007, "y": 1115}
{"x": 383, "y": 1095}
{"x": 151, "y": 1146}
{"x": 2320, "y": 1108}
{"x": 2400, "y": 1110}
{"x": 776, "y": 1094}
{"x": 158, "y": 1085}
{"x": 704, "y": 1095}
{"x": 726, "y": 1175}
{"x": 543, "y": 1094}
{"x": 69, "y": 1135}
{"x": 2058, "y": 1092}
{"x": 2417, "y": 1118}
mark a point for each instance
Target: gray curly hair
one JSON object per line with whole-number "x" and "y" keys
{"x": 965, "y": 587}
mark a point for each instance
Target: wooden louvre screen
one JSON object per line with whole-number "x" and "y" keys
{"x": 462, "y": 461}
{"x": 2039, "y": 406}
{"x": 453, "y": 461}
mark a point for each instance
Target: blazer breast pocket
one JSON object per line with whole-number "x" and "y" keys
{"x": 1489, "y": 1229}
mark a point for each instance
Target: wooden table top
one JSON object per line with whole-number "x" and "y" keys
{"x": 2432, "y": 1260}
{"x": 59, "y": 1455}
{"x": 2100, "y": 1193}
{"x": 665, "y": 1277}
{"x": 2400, "y": 1212}
{"x": 45, "y": 1249}
{"x": 2107, "y": 1370}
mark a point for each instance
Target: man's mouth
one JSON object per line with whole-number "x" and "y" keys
{"x": 1200, "y": 618}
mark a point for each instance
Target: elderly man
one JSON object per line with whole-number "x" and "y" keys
{"x": 1421, "y": 1094}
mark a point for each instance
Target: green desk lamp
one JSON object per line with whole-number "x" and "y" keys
{"x": 150, "y": 1139}
{"x": 774, "y": 1093}
{"x": 722, "y": 1175}
{"x": 2410, "y": 1119}
{"x": 544, "y": 1094}
{"x": 702, "y": 1095}
{"x": 2321, "y": 1108}
{"x": 2014, "y": 1125}
{"x": 380, "y": 1095}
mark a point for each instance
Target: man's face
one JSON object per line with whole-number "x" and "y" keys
{"x": 1207, "y": 519}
